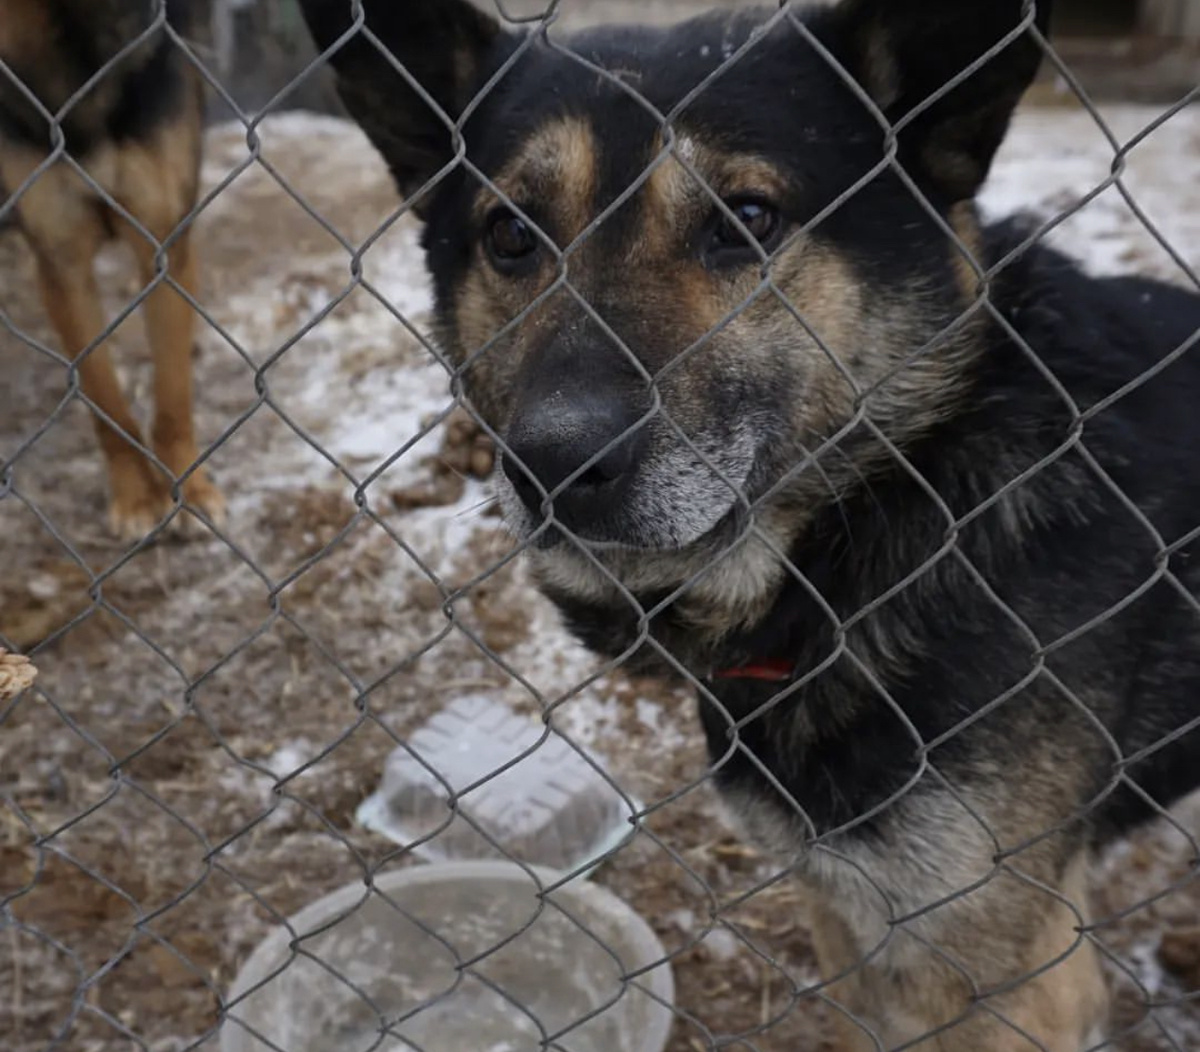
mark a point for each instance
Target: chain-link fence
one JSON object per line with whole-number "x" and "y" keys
{"x": 189, "y": 768}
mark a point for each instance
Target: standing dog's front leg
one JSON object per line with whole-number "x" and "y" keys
{"x": 1001, "y": 969}
{"x": 157, "y": 183}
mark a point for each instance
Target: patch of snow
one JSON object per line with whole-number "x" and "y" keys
{"x": 721, "y": 944}
{"x": 289, "y": 757}
{"x": 390, "y": 417}
{"x": 441, "y": 535}
{"x": 396, "y": 268}
{"x": 1053, "y": 159}
{"x": 649, "y": 715}
{"x": 1142, "y": 961}
{"x": 586, "y": 718}
{"x": 684, "y": 920}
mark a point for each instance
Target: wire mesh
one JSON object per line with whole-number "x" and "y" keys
{"x": 183, "y": 775}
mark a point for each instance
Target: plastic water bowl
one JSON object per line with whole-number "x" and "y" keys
{"x": 548, "y": 808}
{"x": 407, "y": 966}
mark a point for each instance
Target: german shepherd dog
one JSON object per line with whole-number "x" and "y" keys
{"x": 136, "y": 132}
{"x": 912, "y": 500}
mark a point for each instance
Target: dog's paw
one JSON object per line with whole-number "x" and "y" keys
{"x": 202, "y": 500}
{"x": 139, "y": 498}
{"x": 201, "y": 493}
{"x": 203, "y": 503}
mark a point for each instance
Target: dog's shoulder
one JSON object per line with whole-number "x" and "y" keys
{"x": 1114, "y": 339}
{"x": 1059, "y": 293}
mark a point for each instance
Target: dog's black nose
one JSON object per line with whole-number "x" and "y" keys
{"x": 594, "y": 435}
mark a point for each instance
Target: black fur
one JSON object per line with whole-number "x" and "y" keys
{"x": 990, "y": 603}
{"x": 144, "y": 88}
{"x": 413, "y": 137}
{"x": 837, "y": 743}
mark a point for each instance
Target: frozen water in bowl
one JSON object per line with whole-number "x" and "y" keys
{"x": 385, "y": 977}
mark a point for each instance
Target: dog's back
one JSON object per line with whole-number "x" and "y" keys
{"x": 56, "y": 48}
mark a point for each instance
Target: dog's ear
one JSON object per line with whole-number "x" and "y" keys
{"x": 903, "y": 51}
{"x": 443, "y": 45}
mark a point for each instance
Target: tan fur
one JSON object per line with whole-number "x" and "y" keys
{"x": 965, "y": 223}
{"x": 949, "y": 985}
{"x": 30, "y": 43}
{"x": 954, "y": 918}
{"x": 885, "y": 85}
{"x": 557, "y": 166}
{"x": 65, "y": 220}
{"x": 25, "y": 27}
{"x": 673, "y": 196}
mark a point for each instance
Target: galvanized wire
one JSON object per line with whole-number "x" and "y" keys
{"x": 52, "y": 842}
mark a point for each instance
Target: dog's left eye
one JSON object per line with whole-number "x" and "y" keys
{"x": 509, "y": 238}
{"x": 759, "y": 217}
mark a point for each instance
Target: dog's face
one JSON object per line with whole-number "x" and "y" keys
{"x": 670, "y": 264}
{"x": 624, "y": 300}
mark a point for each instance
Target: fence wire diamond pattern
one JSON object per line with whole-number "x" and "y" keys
{"x": 210, "y": 710}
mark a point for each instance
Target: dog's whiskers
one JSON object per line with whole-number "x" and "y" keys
{"x": 484, "y": 505}
{"x": 857, "y": 472}
{"x": 452, "y": 469}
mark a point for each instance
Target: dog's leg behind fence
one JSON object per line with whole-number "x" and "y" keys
{"x": 170, "y": 326}
{"x": 1037, "y": 984}
{"x": 157, "y": 183}
{"x": 66, "y": 229}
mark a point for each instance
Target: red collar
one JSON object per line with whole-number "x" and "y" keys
{"x": 773, "y": 671}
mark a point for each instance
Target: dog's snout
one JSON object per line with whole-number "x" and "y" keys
{"x": 591, "y": 443}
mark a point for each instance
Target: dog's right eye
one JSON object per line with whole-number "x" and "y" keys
{"x": 509, "y": 238}
{"x": 760, "y": 218}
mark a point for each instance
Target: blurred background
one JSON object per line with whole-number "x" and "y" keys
{"x": 1121, "y": 50}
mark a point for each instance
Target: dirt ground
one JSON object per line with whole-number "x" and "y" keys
{"x": 209, "y": 714}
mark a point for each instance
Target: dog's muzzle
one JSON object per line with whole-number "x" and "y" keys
{"x": 583, "y": 452}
